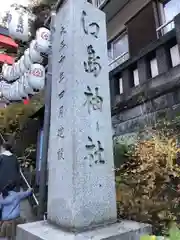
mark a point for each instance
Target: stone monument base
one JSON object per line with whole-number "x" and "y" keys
{"x": 125, "y": 230}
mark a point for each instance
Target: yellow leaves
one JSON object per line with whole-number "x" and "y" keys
{"x": 148, "y": 237}
{"x": 150, "y": 195}
{"x": 158, "y": 150}
{"x": 153, "y": 237}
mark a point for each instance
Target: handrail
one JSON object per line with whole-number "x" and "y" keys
{"x": 164, "y": 25}
{"x": 25, "y": 180}
{"x": 119, "y": 57}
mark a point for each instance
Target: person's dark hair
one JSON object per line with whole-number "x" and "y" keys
{"x": 7, "y": 146}
{"x": 10, "y": 187}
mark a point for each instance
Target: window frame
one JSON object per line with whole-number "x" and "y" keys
{"x": 161, "y": 11}
{"x": 113, "y": 41}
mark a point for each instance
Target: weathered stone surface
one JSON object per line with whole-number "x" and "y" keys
{"x": 147, "y": 114}
{"x": 81, "y": 187}
{"x": 126, "y": 230}
{"x": 158, "y": 86}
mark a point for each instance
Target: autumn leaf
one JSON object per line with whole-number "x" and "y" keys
{"x": 151, "y": 175}
{"x": 148, "y": 237}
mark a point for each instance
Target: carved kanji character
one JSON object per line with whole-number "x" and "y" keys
{"x": 95, "y": 152}
{"x": 94, "y": 100}
{"x": 92, "y": 65}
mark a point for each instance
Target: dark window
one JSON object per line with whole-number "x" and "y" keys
{"x": 142, "y": 29}
{"x": 118, "y": 48}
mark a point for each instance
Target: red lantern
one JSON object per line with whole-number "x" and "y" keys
{"x": 26, "y": 101}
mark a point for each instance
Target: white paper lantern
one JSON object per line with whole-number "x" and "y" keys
{"x": 14, "y": 93}
{"x": 5, "y": 89}
{"x": 21, "y": 10}
{"x": 21, "y": 88}
{"x": 35, "y": 56}
{"x": 11, "y": 74}
{"x": 14, "y": 73}
{"x": 22, "y": 66}
{"x": 17, "y": 71}
{"x": 27, "y": 88}
{"x": 36, "y": 77}
{"x": 4, "y": 67}
{"x": 6, "y": 94}
{"x": 4, "y": 85}
{"x": 19, "y": 26}
{"x": 43, "y": 36}
{"x": 4, "y": 70}
{"x": 27, "y": 59}
{"x": 7, "y": 72}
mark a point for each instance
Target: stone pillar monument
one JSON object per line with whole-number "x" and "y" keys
{"x": 81, "y": 178}
{"x": 81, "y": 184}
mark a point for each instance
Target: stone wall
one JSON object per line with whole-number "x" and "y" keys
{"x": 132, "y": 120}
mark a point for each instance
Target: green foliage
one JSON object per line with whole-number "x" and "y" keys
{"x": 12, "y": 120}
{"x": 120, "y": 154}
{"x": 149, "y": 181}
{"x": 174, "y": 234}
{"x": 27, "y": 160}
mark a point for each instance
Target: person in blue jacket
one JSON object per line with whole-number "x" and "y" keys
{"x": 10, "y": 205}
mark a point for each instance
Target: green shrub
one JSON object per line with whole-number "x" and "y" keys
{"x": 121, "y": 153}
{"x": 149, "y": 183}
{"x": 174, "y": 234}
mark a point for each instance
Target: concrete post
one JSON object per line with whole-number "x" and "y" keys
{"x": 177, "y": 28}
{"x": 142, "y": 70}
{"x": 126, "y": 79}
{"x": 163, "y": 59}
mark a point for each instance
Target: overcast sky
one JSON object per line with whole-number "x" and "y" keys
{"x": 172, "y": 9}
{"x": 7, "y": 3}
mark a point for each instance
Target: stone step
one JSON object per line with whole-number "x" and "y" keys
{"x": 125, "y": 230}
